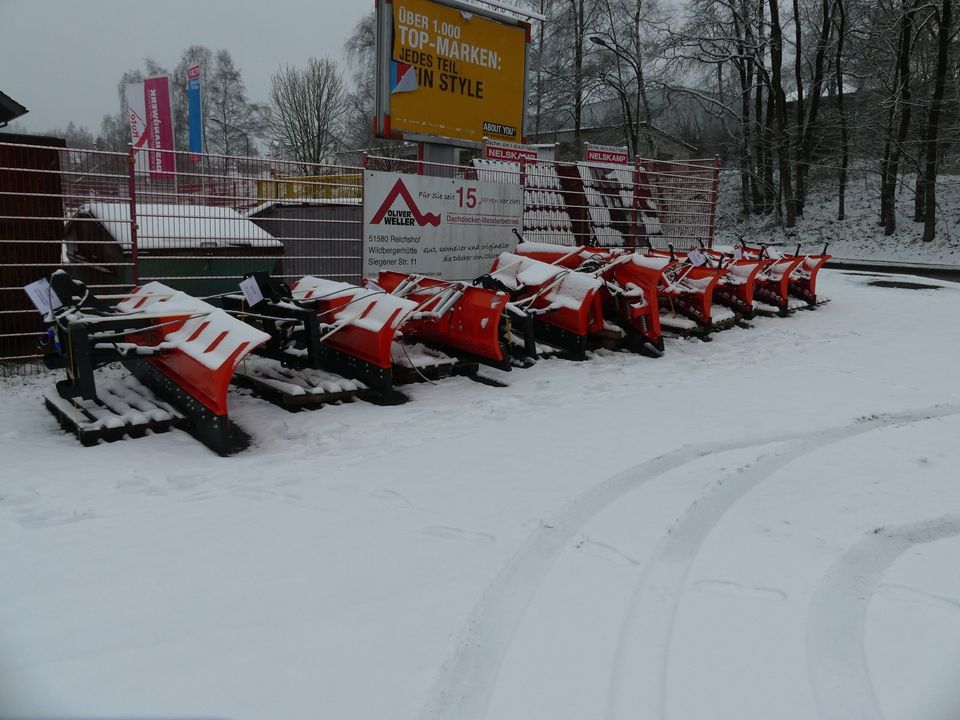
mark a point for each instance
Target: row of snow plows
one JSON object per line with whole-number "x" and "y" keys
{"x": 319, "y": 341}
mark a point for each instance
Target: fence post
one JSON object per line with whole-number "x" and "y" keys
{"x": 714, "y": 197}
{"x": 636, "y": 201}
{"x": 132, "y": 179}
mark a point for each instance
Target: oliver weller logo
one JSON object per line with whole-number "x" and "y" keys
{"x": 410, "y": 216}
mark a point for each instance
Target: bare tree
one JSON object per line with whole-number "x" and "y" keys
{"x": 306, "y": 108}
{"x": 626, "y": 39}
{"x": 931, "y": 132}
{"x": 234, "y": 121}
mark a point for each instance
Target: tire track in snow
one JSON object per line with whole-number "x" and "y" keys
{"x": 836, "y": 657}
{"x": 638, "y": 687}
{"x": 468, "y": 677}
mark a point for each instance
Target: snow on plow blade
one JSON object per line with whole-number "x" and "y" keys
{"x": 565, "y": 304}
{"x": 687, "y": 293}
{"x": 772, "y": 283}
{"x": 737, "y": 287}
{"x": 459, "y": 317}
{"x": 629, "y": 292}
{"x": 357, "y": 328}
{"x": 182, "y": 348}
{"x": 803, "y": 281}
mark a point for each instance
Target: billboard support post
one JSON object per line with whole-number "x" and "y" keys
{"x": 436, "y": 159}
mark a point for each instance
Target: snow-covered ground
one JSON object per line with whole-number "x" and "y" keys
{"x": 763, "y": 526}
{"x": 858, "y": 236}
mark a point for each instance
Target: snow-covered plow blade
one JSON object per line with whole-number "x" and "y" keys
{"x": 460, "y": 318}
{"x": 687, "y": 288}
{"x": 358, "y": 328}
{"x": 181, "y": 348}
{"x": 803, "y": 280}
{"x": 736, "y": 289}
{"x": 629, "y": 292}
{"x": 565, "y": 305}
{"x": 772, "y": 283}
{"x": 329, "y": 341}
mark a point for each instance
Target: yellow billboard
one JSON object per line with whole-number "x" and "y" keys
{"x": 454, "y": 73}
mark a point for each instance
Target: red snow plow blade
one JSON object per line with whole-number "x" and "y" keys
{"x": 737, "y": 287}
{"x": 629, "y": 292}
{"x": 565, "y": 304}
{"x": 201, "y": 345}
{"x": 356, "y": 321}
{"x": 183, "y": 348}
{"x": 687, "y": 291}
{"x": 772, "y": 284}
{"x": 803, "y": 281}
{"x": 460, "y": 317}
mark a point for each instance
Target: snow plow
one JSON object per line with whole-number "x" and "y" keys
{"x": 772, "y": 283}
{"x": 329, "y": 340}
{"x": 687, "y": 288}
{"x": 628, "y": 293}
{"x": 803, "y": 280}
{"x": 466, "y": 320}
{"x": 181, "y": 350}
{"x": 564, "y": 305}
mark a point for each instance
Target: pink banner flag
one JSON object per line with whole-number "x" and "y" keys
{"x": 156, "y": 91}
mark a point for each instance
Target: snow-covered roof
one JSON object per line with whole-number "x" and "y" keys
{"x": 169, "y": 226}
{"x": 262, "y": 207}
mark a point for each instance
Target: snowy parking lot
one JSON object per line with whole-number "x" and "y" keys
{"x": 762, "y": 526}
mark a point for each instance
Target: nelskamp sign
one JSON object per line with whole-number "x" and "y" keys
{"x": 438, "y": 227}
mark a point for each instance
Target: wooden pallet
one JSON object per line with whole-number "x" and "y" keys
{"x": 421, "y": 363}
{"x": 124, "y": 408}
{"x": 295, "y": 389}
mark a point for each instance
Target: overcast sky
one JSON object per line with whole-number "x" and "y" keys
{"x": 62, "y": 59}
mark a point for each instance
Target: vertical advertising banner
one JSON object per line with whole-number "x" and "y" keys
{"x": 136, "y": 110}
{"x": 439, "y": 227}
{"x": 159, "y": 126}
{"x": 194, "y": 113}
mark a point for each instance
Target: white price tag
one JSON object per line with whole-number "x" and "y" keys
{"x": 251, "y": 291}
{"x": 42, "y": 296}
{"x": 696, "y": 257}
{"x": 738, "y": 252}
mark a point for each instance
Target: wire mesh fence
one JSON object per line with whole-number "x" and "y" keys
{"x": 206, "y": 220}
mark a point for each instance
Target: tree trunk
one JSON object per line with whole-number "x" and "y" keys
{"x": 932, "y": 131}
{"x": 903, "y": 101}
{"x": 759, "y": 188}
{"x": 844, "y": 136}
{"x": 919, "y": 199}
{"x": 782, "y": 135}
{"x": 798, "y": 80}
{"x": 809, "y": 126}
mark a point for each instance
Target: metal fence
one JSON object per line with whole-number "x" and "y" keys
{"x": 206, "y": 220}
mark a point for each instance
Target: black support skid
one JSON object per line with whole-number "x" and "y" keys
{"x": 217, "y": 432}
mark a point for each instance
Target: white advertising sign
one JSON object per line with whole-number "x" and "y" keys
{"x": 438, "y": 227}
{"x": 137, "y": 117}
